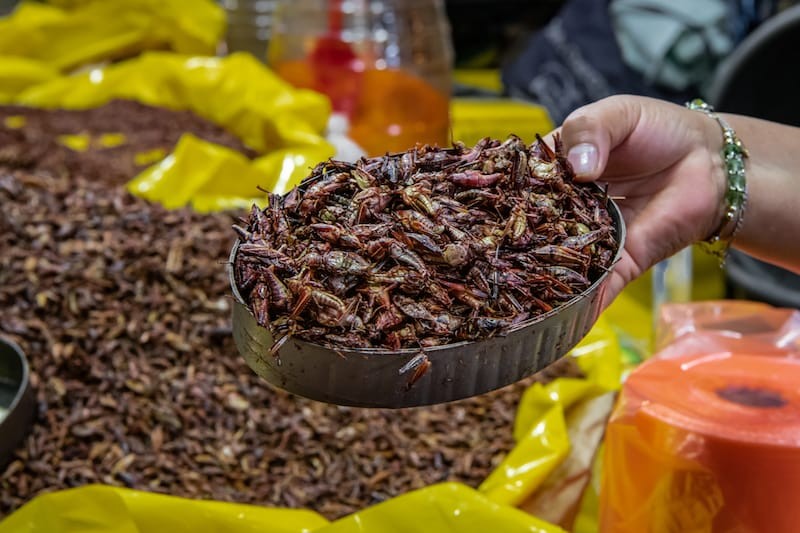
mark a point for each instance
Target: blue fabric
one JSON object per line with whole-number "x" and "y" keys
{"x": 746, "y": 15}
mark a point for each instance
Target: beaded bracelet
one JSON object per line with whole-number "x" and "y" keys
{"x": 733, "y": 156}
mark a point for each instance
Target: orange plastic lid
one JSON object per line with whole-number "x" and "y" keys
{"x": 742, "y": 397}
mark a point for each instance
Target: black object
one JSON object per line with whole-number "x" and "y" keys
{"x": 484, "y": 32}
{"x": 751, "y": 279}
{"x": 752, "y": 397}
{"x": 576, "y": 60}
{"x": 7, "y": 6}
{"x": 16, "y": 398}
{"x": 759, "y": 79}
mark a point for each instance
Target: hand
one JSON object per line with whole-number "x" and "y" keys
{"x": 664, "y": 161}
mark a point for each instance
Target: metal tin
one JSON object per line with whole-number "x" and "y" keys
{"x": 16, "y": 399}
{"x": 380, "y": 377}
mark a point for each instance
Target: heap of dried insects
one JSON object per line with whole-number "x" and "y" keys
{"x": 425, "y": 247}
{"x": 117, "y": 140}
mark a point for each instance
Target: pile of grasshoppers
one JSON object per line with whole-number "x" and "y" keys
{"x": 422, "y": 248}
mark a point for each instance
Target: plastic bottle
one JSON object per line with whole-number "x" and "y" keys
{"x": 672, "y": 281}
{"x": 385, "y": 64}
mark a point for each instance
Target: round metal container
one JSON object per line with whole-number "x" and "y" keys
{"x": 17, "y": 401}
{"x": 382, "y": 378}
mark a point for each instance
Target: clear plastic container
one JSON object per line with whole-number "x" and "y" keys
{"x": 672, "y": 281}
{"x": 249, "y": 25}
{"x": 385, "y": 64}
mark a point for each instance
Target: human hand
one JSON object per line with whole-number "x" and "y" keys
{"x": 664, "y": 162}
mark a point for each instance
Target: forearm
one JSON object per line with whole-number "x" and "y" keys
{"x": 771, "y": 225}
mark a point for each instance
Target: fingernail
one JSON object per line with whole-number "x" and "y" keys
{"x": 583, "y": 158}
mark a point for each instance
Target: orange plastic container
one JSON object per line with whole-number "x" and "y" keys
{"x": 705, "y": 443}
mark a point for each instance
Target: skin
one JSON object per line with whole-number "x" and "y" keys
{"x": 665, "y": 161}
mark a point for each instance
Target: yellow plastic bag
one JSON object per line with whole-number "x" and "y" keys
{"x": 287, "y": 167}
{"x": 98, "y": 31}
{"x": 536, "y": 454}
{"x": 213, "y": 178}
{"x": 104, "y": 509}
{"x": 442, "y": 507}
{"x": 197, "y": 165}
{"x": 20, "y": 73}
{"x": 236, "y": 92}
{"x": 547, "y": 415}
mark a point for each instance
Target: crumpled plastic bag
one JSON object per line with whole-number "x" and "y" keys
{"x": 237, "y": 92}
{"x": 544, "y": 457}
{"x": 105, "y": 509}
{"x": 97, "y": 31}
{"x": 734, "y": 326}
{"x": 20, "y": 73}
{"x": 213, "y": 178}
{"x": 704, "y": 437}
{"x": 441, "y": 507}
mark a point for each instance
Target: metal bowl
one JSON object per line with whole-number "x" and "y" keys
{"x": 17, "y": 401}
{"x": 381, "y": 378}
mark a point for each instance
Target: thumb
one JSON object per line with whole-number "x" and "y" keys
{"x": 591, "y": 132}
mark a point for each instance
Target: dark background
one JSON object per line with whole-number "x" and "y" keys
{"x": 486, "y": 32}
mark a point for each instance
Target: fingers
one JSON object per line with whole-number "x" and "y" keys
{"x": 591, "y": 132}
{"x": 622, "y": 273}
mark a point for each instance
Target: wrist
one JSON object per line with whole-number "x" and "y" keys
{"x": 727, "y": 170}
